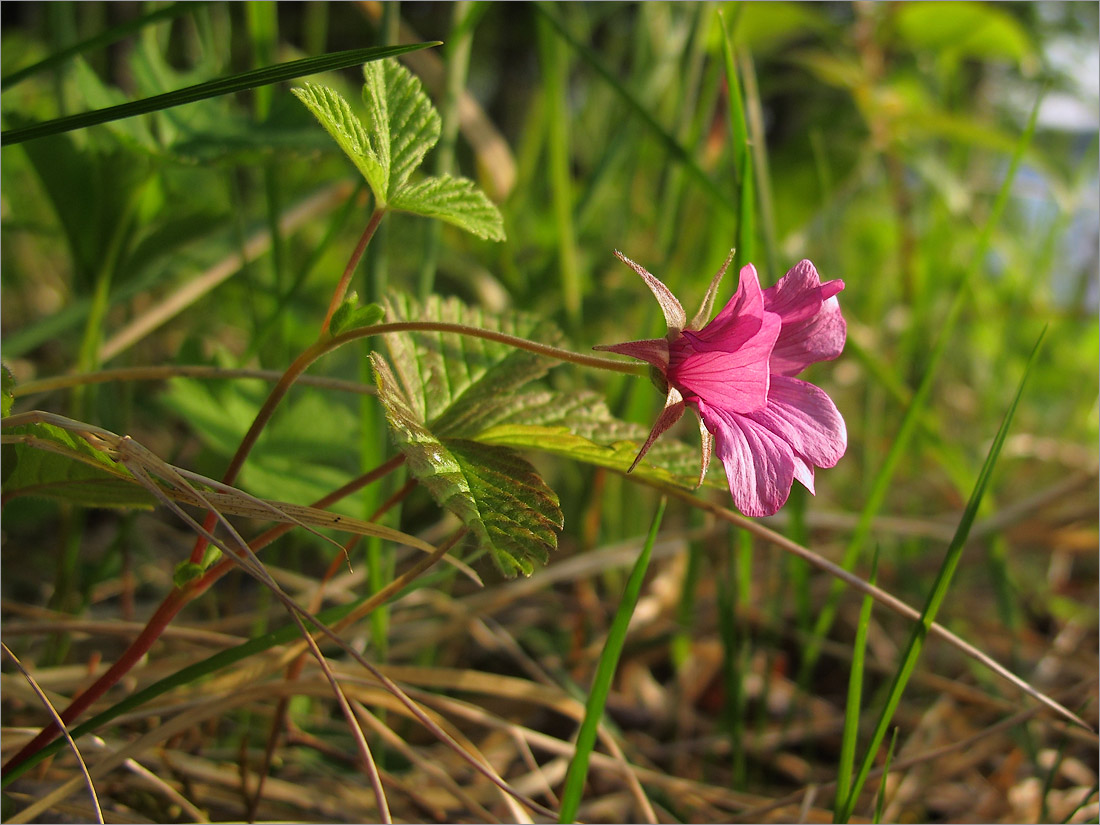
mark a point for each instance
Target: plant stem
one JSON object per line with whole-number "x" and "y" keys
{"x": 546, "y": 350}
{"x": 349, "y": 270}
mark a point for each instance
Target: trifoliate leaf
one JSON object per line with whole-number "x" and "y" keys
{"x": 369, "y": 152}
{"x": 445, "y": 388}
{"x": 349, "y": 315}
{"x": 404, "y": 124}
{"x": 454, "y": 200}
{"x": 453, "y": 382}
{"x": 498, "y": 495}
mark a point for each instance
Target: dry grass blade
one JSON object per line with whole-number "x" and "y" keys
{"x": 252, "y": 565}
{"x": 129, "y": 453}
{"x": 879, "y": 595}
{"x": 46, "y": 703}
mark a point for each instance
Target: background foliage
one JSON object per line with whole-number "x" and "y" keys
{"x": 213, "y": 234}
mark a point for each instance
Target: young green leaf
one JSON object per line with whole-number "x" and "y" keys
{"x": 347, "y": 130}
{"x": 400, "y": 129}
{"x": 400, "y": 114}
{"x": 349, "y": 315}
{"x": 454, "y": 200}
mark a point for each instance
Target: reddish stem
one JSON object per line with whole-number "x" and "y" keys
{"x": 349, "y": 270}
{"x": 138, "y": 648}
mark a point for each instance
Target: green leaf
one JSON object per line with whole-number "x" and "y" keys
{"x": 457, "y": 383}
{"x": 213, "y": 88}
{"x": 403, "y": 123}
{"x": 52, "y": 463}
{"x": 349, "y": 315}
{"x": 498, "y": 495}
{"x": 347, "y": 130}
{"x": 578, "y": 426}
{"x": 454, "y": 200}
{"x": 444, "y": 389}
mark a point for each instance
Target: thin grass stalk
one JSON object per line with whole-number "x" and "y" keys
{"x": 212, "y": 88}
{"x": 854, "y": 704}
{"x": 938, "y": 593}
{"x": 605, "y": 672}
{"x": 105, "y": 38}
{"x": 161, "y": 618}
{"x": 880, "y": 797}
{"x": 554, "y": 61}
{"x": 913, "y": 413}
{"x": 456, "y": 57}
{"x": 672, "y": 146}
{"x": 46, "y": 703}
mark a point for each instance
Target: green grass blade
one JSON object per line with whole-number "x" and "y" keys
{"x": 456, "y": 55}
{"x": 914, "y": 412}
{"x": 880, "y": 801}
{"x": 671, "y": 144}
{"x": 855, "y": 700}
{"x": 605, "y": 672}
{"x": 939, "y": 590}
{"x": 554, "y": 64}
{"x": 212, "y": 88}
{"x": 742, "y": 157}
{"x": 104, "y": 38}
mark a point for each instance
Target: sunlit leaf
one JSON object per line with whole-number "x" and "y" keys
{"x": 347, "y": 130}
{"x": 454, "y": 200}
{"x": 499, "y": 496}
{"x": 403, "y": 123}
{"x": 7, "y": 390}
{"x": 971, "y": 29}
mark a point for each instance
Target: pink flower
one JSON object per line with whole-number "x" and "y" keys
{"x": 737, "y": 372}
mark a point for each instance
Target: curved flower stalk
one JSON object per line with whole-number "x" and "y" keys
{"x": 737, "y": 372}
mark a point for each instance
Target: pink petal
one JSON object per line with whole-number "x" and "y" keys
{"x": 799, "y": 293}
{"x": 735, "y": 381}
{"x": 806, "y": 419}
{"x": 818, "y": 338}
{"x": 813, "y": 327}
{"x": 760, "y": 466}
{"x": 804, "y": 473}
{"x": 675, "y": 316}
{"x": 739, "y": 319}
{"x": 653, "y": 351}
